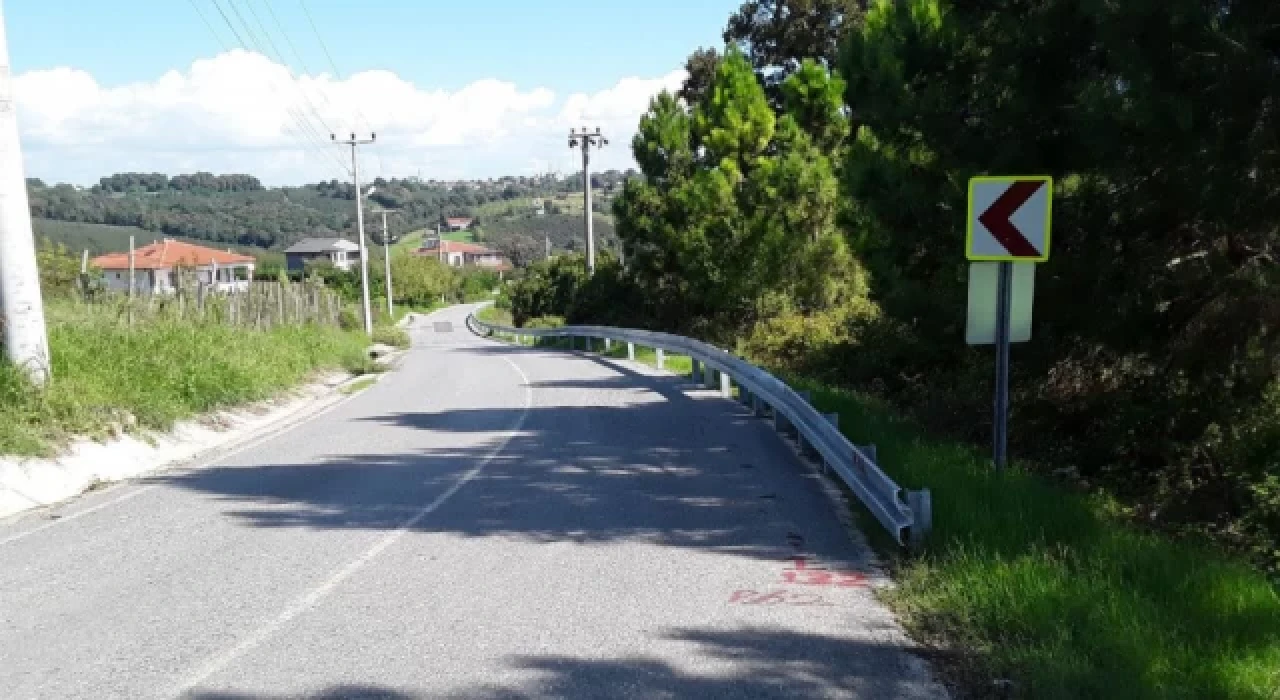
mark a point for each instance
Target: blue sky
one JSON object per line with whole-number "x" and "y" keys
{"x": 434, "y": 49}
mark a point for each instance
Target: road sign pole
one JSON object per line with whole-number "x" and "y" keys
{"x": 1000, "y": 432}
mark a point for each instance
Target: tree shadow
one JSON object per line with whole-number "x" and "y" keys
{"x": 337, "y": 692}
{"x": 663, "y": 467}
{"x": 743, "y": 662}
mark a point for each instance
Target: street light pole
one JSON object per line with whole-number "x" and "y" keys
{"x": 364, "y": 252}
{"x": 587, "y": 140}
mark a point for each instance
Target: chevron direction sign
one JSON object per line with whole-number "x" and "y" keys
{"x": 1009, "y": 218}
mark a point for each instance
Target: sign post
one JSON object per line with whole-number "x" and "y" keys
{"x": 1008, "y": 224}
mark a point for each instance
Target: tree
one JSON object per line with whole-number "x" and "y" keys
{"x": 735, "y": 204}
{"x": 778, "y": 35}
{"x": 701, "y": 67}
{"x": 1155, "y": 316}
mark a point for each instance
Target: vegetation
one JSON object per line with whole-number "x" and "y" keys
{"x": 239, "y": 210}
{"x": 1027, "y": 581}
{"x": 109, "y": 377}
{"x": 804, "y": 204}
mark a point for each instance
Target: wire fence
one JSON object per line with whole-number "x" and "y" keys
{"x": 253, "y": 304}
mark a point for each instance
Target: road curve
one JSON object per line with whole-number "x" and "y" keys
{"x": 485, "y": 522}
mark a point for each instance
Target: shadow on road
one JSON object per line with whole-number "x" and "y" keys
{"x": 748, "y": 662}
{"x": 657, "y": 466}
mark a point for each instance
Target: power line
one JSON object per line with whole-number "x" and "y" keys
{"x": 337, "y": 73}
{"x": 316, "y": 136}
{"x": 293, "y": 79}
{"x": 309, "y": 138}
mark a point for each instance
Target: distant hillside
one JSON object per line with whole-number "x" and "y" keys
{"x": 103, "y": 238}
{"x": 236, "y": 210}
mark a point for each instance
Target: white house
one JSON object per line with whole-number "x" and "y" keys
{"x": 342, "y": 253}
{"x": 155, "y": 267}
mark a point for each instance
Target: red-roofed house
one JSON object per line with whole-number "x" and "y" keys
{"x": 154, "y": 267}
{"x": 457, "y": 254}
{"x": 458, "y": 223}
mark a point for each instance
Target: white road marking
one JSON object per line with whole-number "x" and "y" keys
{"x": 315, "y": 595}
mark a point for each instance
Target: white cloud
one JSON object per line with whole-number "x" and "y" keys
{"x": 241, "y": 112}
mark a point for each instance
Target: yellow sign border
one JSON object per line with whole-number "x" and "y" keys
{"x": 971, "y": 217}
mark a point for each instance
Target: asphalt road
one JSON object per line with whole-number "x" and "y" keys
{"x": 486, "y": 522}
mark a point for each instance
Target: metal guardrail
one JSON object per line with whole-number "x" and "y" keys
{"x": 907, "y": 515}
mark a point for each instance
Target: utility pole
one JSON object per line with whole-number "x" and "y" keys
{"x": 364, "y": 252}
{"x": 386, "y": 253}
{"x": 26, "y": 342}
{"x": 587, "y": 140}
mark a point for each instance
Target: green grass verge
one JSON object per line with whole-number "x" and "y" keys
{"x": 358, "y": 385}
{"x": 106, "y": 375}
{"x": 1028, "y": 581}
{"x": 492, "y": 314}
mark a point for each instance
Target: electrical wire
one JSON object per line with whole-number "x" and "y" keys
{"x": 309, "y": 135}
{"x": 306, "y": 137}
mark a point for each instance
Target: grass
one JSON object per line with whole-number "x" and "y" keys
{"x": 492, "y": 314}
{"x": 358, "y": 385}
{"x": 107, "y": 377}
{"x": 1025, "y": 580}
{"x": 413, "y": 239}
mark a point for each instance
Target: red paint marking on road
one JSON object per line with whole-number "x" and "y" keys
{"x": 996, "y": 218}
{"x": 750, "y": 597}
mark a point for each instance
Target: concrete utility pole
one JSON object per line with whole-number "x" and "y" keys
{"x": 587, "y": 140}
{"x": 364, "y": 252}
{"x": 386, "y": 252}
{"x": 26, "y": 343}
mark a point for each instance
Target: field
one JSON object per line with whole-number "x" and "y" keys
{"x": 521, "y": 207}
{"x": 103, "y": 238}
{"x": 413, "y": 239}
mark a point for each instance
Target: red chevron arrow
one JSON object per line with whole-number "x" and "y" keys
{"x": 996, "y": 218}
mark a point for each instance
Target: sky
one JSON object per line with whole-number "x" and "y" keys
{"x": 452, "y": 88}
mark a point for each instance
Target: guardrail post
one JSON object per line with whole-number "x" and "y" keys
{"x": 921, "y": 505}
{"x": 758, "y": 406}
{"x": 726, "y": 386}
{"x": 709, "y": 377}
{"x": 834, "y": 420}
{"x": 631, "y": 351}
{"x": 661, "y": 358}
{"x": 696, "y": 373}
{"x": 870, "y": 452}
{"x": 608, "y": 344}
{"x": 781, "y": 424}
{"x": 744, "y": 395}
{"x": 806, "y": 395}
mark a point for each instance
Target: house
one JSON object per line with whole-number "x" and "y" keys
{"x": 457, "y": 254}
{"x": 342, "y": 253}
{"x": 156, "y": 267}
{"x": 458, "y": 223}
